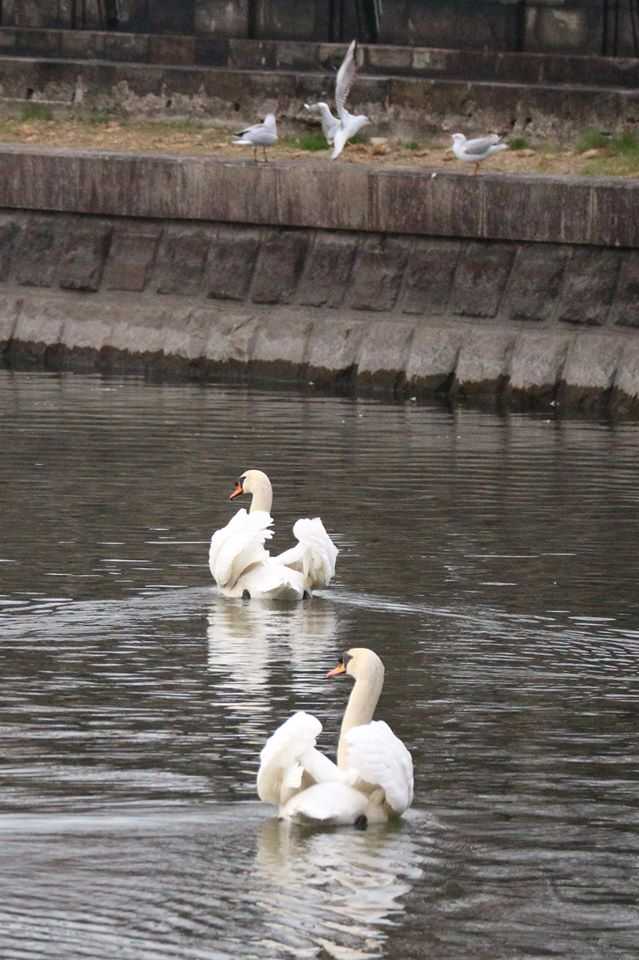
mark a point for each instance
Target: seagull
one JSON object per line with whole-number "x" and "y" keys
{"x": 260, "y": 135}
{"x": 477, "y": 150}
{"x": 338, "y": 130}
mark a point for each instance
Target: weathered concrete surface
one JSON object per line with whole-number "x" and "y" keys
{"x": 408, "y": 105}
{"x": 327, "y": 196}
{"x": 302, "y": 56}
{"x": 411, "y": 314}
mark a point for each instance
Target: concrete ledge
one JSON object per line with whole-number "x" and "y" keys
{"x": 322, "y": 195}
{"x": 420, "y": 359}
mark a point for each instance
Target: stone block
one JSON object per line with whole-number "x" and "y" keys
{"x": 328, "y": 269}
{"x": 9, "y": 308}
{"x": 127, "y": 47}
{"x": 483, "y": 365}
{"x": 39, "y": 324}
{"x": 280, "y": 346}
{"x": 480, "y": 279}
{"x": 131, "y": 258}
{"x": 589, "y": 286}
{"x": 383, "y": 59}
{"x": 38, "y": 252}
{"x": 591, "y": 366}
{"x": 222, "y": 18}
{"x": 333, "y": 348}
{"x": 7, "y": 42}
{"x": 378, "y": 273}
{"x": 82, "y": 45}
{"x": 296, "y": 55}
{"x": 38, "y": 43}
{"x": 433, "y": 359}
{"x": 315, "y": 195}
{"x": 231, "y": 339}
{"x": 535, "y": 282}
{"x": 142, "y": 330}
{"x": 171, "y": 50}
{"x": 538, "y": 361}
{"x": 251, "y": 54}
{"x": 535, "y": 208}
{"x": 384, "y": 354}
{"x": 188, "y": 332}
{"x": 625, "y": 312}
{"x": 9, "y": 230}
{"x": 626, "y": 382}
{"x": 232, "y": 256}
{"x": 85, "y": 330}
{"x": 180, "y": 263}
{"x": 279, "y": 266}
{"x": 429, "y": 276}
{"x": 85, "y": 253}
{"x": 211, "y": 50}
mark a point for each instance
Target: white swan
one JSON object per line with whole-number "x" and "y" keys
{"x": 373, "y": 778}
{"x": 241, "y": 566}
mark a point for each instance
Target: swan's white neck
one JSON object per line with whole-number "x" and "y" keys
{"x": 361, "y": 705}
{"x": 262, "y": 493}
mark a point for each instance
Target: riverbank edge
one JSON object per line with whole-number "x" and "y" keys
{"x": 518, "y": 289}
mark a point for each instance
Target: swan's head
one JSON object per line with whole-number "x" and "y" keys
{"x": 258, "y": 485}
{"x": 358, "y": 662}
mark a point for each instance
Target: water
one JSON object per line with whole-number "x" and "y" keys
{"x": 490, "y": 561}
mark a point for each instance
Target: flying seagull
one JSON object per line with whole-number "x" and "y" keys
{"x": 474, "y": 151}
{"x": 338, "y": 130}
{"x": 260, "y": 135}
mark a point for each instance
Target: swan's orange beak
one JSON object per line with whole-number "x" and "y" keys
{"x": 237, "y": 492}
{"x": 336, "y": 671}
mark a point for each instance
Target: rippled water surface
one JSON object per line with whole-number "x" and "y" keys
{"x": 492, "y": 562}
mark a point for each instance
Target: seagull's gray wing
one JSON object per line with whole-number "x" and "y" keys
{"x": 480, "y": 145}
{"x": 345, "y": 77}
{"x": 249, "y": 130}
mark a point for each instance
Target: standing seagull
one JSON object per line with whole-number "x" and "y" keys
{"x": 261, "y": 135}
{"x": 474, "y": 151}
{"x": 338, "y": 130}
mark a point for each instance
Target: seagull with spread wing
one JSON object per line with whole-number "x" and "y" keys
{"x": 338, "y": 130}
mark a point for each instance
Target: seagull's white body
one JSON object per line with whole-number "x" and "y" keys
{"x": 260, "y": 135}
{"x": 240, "y": 564}
{"x": 373, "y": 776}
{"x": 338, "y": 130}
{"x": 474, "y": 151}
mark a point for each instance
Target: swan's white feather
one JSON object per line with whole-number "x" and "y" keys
{"x": 314, "y": 555}
{"x": 282, "y": 753}
{"x": 382, "y": 760}
{"x": 239, "y": 545}
{"x": 330, "y": 803}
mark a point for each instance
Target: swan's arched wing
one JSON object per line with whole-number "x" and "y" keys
{"x": 238, "y": 545}
{"x": 281, "y": 769}
{"x": 345, "y": 77}
{"x": 315, "y": 553}
{"x": 333, "y": 802}
{"x": 382, "y": 760}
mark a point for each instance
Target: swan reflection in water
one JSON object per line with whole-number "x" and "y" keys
{"x": 249, "y": 642}
{"x": 333, "y": 891}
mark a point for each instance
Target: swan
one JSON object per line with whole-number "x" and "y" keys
{"x": 373, "y": 778}
{"x": 242, "y": 567}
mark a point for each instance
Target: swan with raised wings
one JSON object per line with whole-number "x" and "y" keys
{"x": 373, "y": 778}
{"x": 242, "y": 567}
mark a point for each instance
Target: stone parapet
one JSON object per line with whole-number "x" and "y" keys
{"x": 318, "y": 194}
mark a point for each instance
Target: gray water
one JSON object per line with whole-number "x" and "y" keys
{"x": 490, "y": 561}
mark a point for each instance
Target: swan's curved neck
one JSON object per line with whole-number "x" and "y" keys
{"x": 361, "y": 706}
{"x": 262, "y": 495}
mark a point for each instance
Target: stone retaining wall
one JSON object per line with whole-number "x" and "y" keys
{"x": 524, "y": 289}
{"x": 525, "y": 322}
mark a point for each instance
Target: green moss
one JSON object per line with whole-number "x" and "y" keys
{"x": 34, "y": 111}
{"x": 518, "y": 143}
{"x": 411, "y": 145}
{"x": 592, "y": 140}
{"x": 308, "y": 141}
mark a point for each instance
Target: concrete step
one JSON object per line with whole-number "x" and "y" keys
{"x": 407, "y": 107}
{"x": 302, "y": 56}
